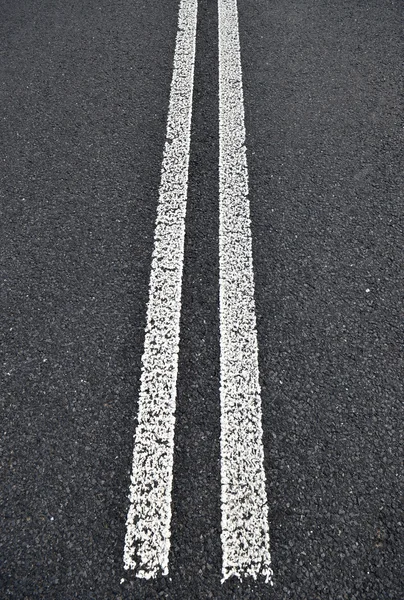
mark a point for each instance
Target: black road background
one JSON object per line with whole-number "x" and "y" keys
{"x": 83, "y": 106}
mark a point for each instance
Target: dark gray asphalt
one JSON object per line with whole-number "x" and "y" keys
{"x": 83, "y": 106}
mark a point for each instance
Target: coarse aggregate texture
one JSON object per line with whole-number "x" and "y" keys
{"x": 84, "y": 96}
{"x": 323, "y": 85}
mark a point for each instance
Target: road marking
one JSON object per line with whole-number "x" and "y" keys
{"x": 245, "y": 533}
{"x": 147, "y": 541}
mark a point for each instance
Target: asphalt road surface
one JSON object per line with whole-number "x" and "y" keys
{"x": 296, "y": 449}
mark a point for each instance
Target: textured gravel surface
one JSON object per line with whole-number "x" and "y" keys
{"x": 83, "y": 105}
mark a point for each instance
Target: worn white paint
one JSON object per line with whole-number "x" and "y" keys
{"x": 147, "y": 541}
{"x": 245, "y": 535}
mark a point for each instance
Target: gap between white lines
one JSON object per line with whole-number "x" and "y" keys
{"x": 147, "y": 541}
{"x": 245, "y": 532}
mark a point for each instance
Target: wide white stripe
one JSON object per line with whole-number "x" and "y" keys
{"x": 245, "y": 536}
{"x": 147, "y": 541}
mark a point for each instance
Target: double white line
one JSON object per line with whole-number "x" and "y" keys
{"x": 245, "y": 536}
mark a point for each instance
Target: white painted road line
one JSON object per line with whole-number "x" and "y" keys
{"x": 147, "y": 541}
{"x": 245, "y": 534}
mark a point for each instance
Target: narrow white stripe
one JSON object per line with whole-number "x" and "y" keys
{"x": 245, "y": 535}
{"x": 147, "y": 541}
